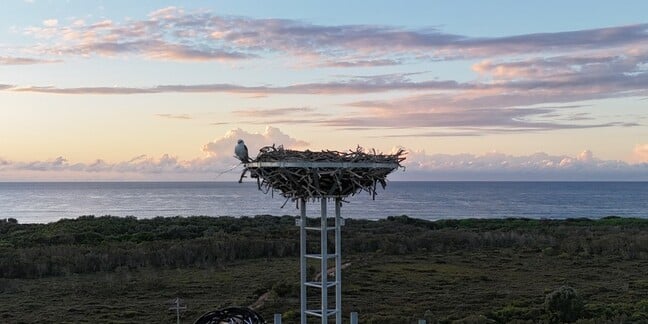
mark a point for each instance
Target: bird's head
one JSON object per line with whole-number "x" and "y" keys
{"x": 240, "y": 141}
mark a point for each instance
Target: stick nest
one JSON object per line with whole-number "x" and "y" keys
{"x": 309, "y": 182}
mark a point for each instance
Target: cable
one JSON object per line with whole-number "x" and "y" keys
{"x": 231, "y": 315}
{"x": 228, "y": 170}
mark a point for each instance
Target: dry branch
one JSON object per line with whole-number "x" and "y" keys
{"x": 348, "y": 173}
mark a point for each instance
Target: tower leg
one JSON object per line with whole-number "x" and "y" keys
{"x": 324, "y": 263}
{"x": 302, "y": 259}
{"x": 338, "y": 261}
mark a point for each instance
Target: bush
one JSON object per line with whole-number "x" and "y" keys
{"x": 564, "y": 304}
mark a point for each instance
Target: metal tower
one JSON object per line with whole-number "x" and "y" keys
{"x": 323, "y": 176}
{"x": 324, "y": 311}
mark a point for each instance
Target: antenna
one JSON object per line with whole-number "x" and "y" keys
{"x": 175, "y": 305}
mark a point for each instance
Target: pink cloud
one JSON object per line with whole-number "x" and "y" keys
{"x": 8, "y": 60}
{"x": 274, "y": 112}
{"x": 640, "y": 153}
{"x": 228, "y": 38}
{"x": 508, "y": 105}
{"x": 523, "y": 85}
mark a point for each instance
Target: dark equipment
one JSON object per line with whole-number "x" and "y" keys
{"x": 231, "y": 315}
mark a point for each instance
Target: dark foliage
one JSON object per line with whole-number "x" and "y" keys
{"x": 91, "y": 244}
{"x": 564, "y": 304}
{"x": 403, "y": 269}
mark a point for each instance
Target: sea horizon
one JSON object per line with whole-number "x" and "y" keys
{"x": 44, "y": 202}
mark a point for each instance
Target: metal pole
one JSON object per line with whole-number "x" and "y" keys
{"x": 302, "y": 258}
{"x": 338, "y": 261}
{"x": 354, "y": 317}
{"x": 178, "y": 310}
{"x": 324, "y": 263}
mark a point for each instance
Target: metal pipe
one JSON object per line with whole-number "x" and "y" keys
{"x": 302, "y": 259}
{"x": 354, "y": 317}
{"x": 324, "y": 262}
{"x": 338, "y": 261}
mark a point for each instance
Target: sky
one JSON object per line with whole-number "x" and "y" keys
{"x": 472, "y": 90}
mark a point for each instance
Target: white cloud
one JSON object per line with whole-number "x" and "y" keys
{"x": 224, "y": 146}
{"x": 50, "y": 23}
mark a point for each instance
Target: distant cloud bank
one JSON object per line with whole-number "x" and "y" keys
{"x": 419, "y": 165}
{"x": 535, "y": 167}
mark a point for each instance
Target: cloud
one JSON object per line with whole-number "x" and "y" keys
{"x": 218, "y": 158}
{"x": 165, "y": 167}
{"x": 224, "y": 146}
{"x": 50, "y": 23}
{"x": 418, "y": 166}
{"x": 352, "y": 86}
{"x": 510, "y": 104}
{"x": 499, "y": 166}
{"x": 174, "y": 116}
{"x": 509, "y": 92}
{"x": 497, "y": 113}
{"x": 8, "y": 60}
{"x": 347, "y": 85}
{"x": 640, "y": 153}
{"x": 360, "y": 63}
{"x": 281, "y": 116}
{"x": 584, "y": 166}
{"x": 522, "y": 83}
{"x": 506, "y": 98}
{"x": 261, "y": 113}
{"x": 174, "y": 34}
{"x": 54, "y": 164}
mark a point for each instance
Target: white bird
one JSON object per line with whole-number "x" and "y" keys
{"x": 241, "y": 151}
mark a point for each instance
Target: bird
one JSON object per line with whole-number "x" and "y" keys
{"x": 241, "y": 152}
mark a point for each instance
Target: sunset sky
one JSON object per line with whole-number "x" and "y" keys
{"x": 473, "y": 90}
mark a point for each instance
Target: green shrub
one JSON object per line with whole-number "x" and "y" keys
{"x": 564, "y": 304}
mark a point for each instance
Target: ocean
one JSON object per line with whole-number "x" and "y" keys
{"x": 44, "y": 202}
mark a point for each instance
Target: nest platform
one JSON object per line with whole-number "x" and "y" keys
{"x": 324, "y": 174}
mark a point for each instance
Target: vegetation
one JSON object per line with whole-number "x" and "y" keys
{"x": 111, "y": 269}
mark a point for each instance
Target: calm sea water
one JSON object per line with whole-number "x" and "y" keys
{"x": 45, "y": 202}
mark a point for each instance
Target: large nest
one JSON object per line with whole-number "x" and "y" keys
{"x": 311, "y": 175}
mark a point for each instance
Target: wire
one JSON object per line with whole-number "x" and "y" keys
{"x": 228, "y": 170}
{"x": 234, "y": 315}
